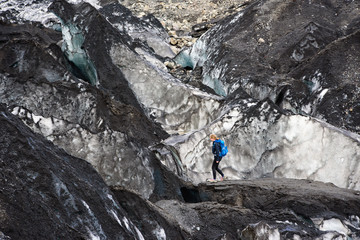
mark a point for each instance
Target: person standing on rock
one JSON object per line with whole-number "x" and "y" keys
{"x": 216, "y": 150}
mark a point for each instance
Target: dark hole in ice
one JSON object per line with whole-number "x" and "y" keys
{"x": 188, "y": 68}
{"x": 190, "y": 195}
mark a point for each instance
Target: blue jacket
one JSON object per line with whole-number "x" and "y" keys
{"x": 216, "y": 148}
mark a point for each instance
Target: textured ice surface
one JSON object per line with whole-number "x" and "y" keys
{"x": 28, "y": 10}
{"x": 260, "y": 230}
{"x": 72, "y": 47}
{"x": 94, "y": 3}
{"x": 332, "y": 225}
{"x": 94, "y": 148}
{"x": 178, "y": 107}
{"x": 198, "y": 54}
{"x": 148, "y": 29}
{"x": 290, "y": 147}
{"x": 94, "y": 227}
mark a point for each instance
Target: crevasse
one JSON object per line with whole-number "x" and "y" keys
{"x": 83, "y": 67}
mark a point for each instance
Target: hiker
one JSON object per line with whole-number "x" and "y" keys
{"x": 216, "y": 150}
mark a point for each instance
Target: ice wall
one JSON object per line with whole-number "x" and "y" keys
{"x": 115, "y": 158}
{"x": 273, "y": 145}
{"x": 199, "y": 54}
{"x": 73, "y": 121}
{"x": 178, "y": 107}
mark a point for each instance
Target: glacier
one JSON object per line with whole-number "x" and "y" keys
{"x": 100, "y": 90}
{"x": 282, "y": 147}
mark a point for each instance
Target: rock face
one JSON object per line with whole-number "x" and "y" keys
{"x": 277, "y": 80}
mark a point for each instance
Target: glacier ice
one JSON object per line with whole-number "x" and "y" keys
{"x": 196, "y": 56}
{"x": 29, "y": 10}
{"x": 94, "y": 228}
{"x": 177, "y": 107}
{"x": 94, "y": 147}
{"x": 272, "y": 145}
{"x": 147, "y": 29}
{"x": 332, "y": 225}
{"x": 72, "y": 47}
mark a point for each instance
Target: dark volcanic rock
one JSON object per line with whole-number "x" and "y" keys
{"x": 48, "y": 194}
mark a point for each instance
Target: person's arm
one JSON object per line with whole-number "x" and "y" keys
{"x": 216, "y": 148}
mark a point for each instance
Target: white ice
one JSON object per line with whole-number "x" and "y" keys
{"x": 178, "y": 107}
{"x": 334, "y": 224}
{"x": 92, "y": 223}
{"x": 262, "y": 230}
{"x": 94, "y": 3}
{"x": 291, "y": 147}
{"x": 28, "y": 10}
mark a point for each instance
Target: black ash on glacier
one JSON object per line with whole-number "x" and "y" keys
{"x": 105, "y": 128}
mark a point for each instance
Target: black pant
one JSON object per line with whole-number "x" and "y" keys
{"x": 215, "y": 167}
